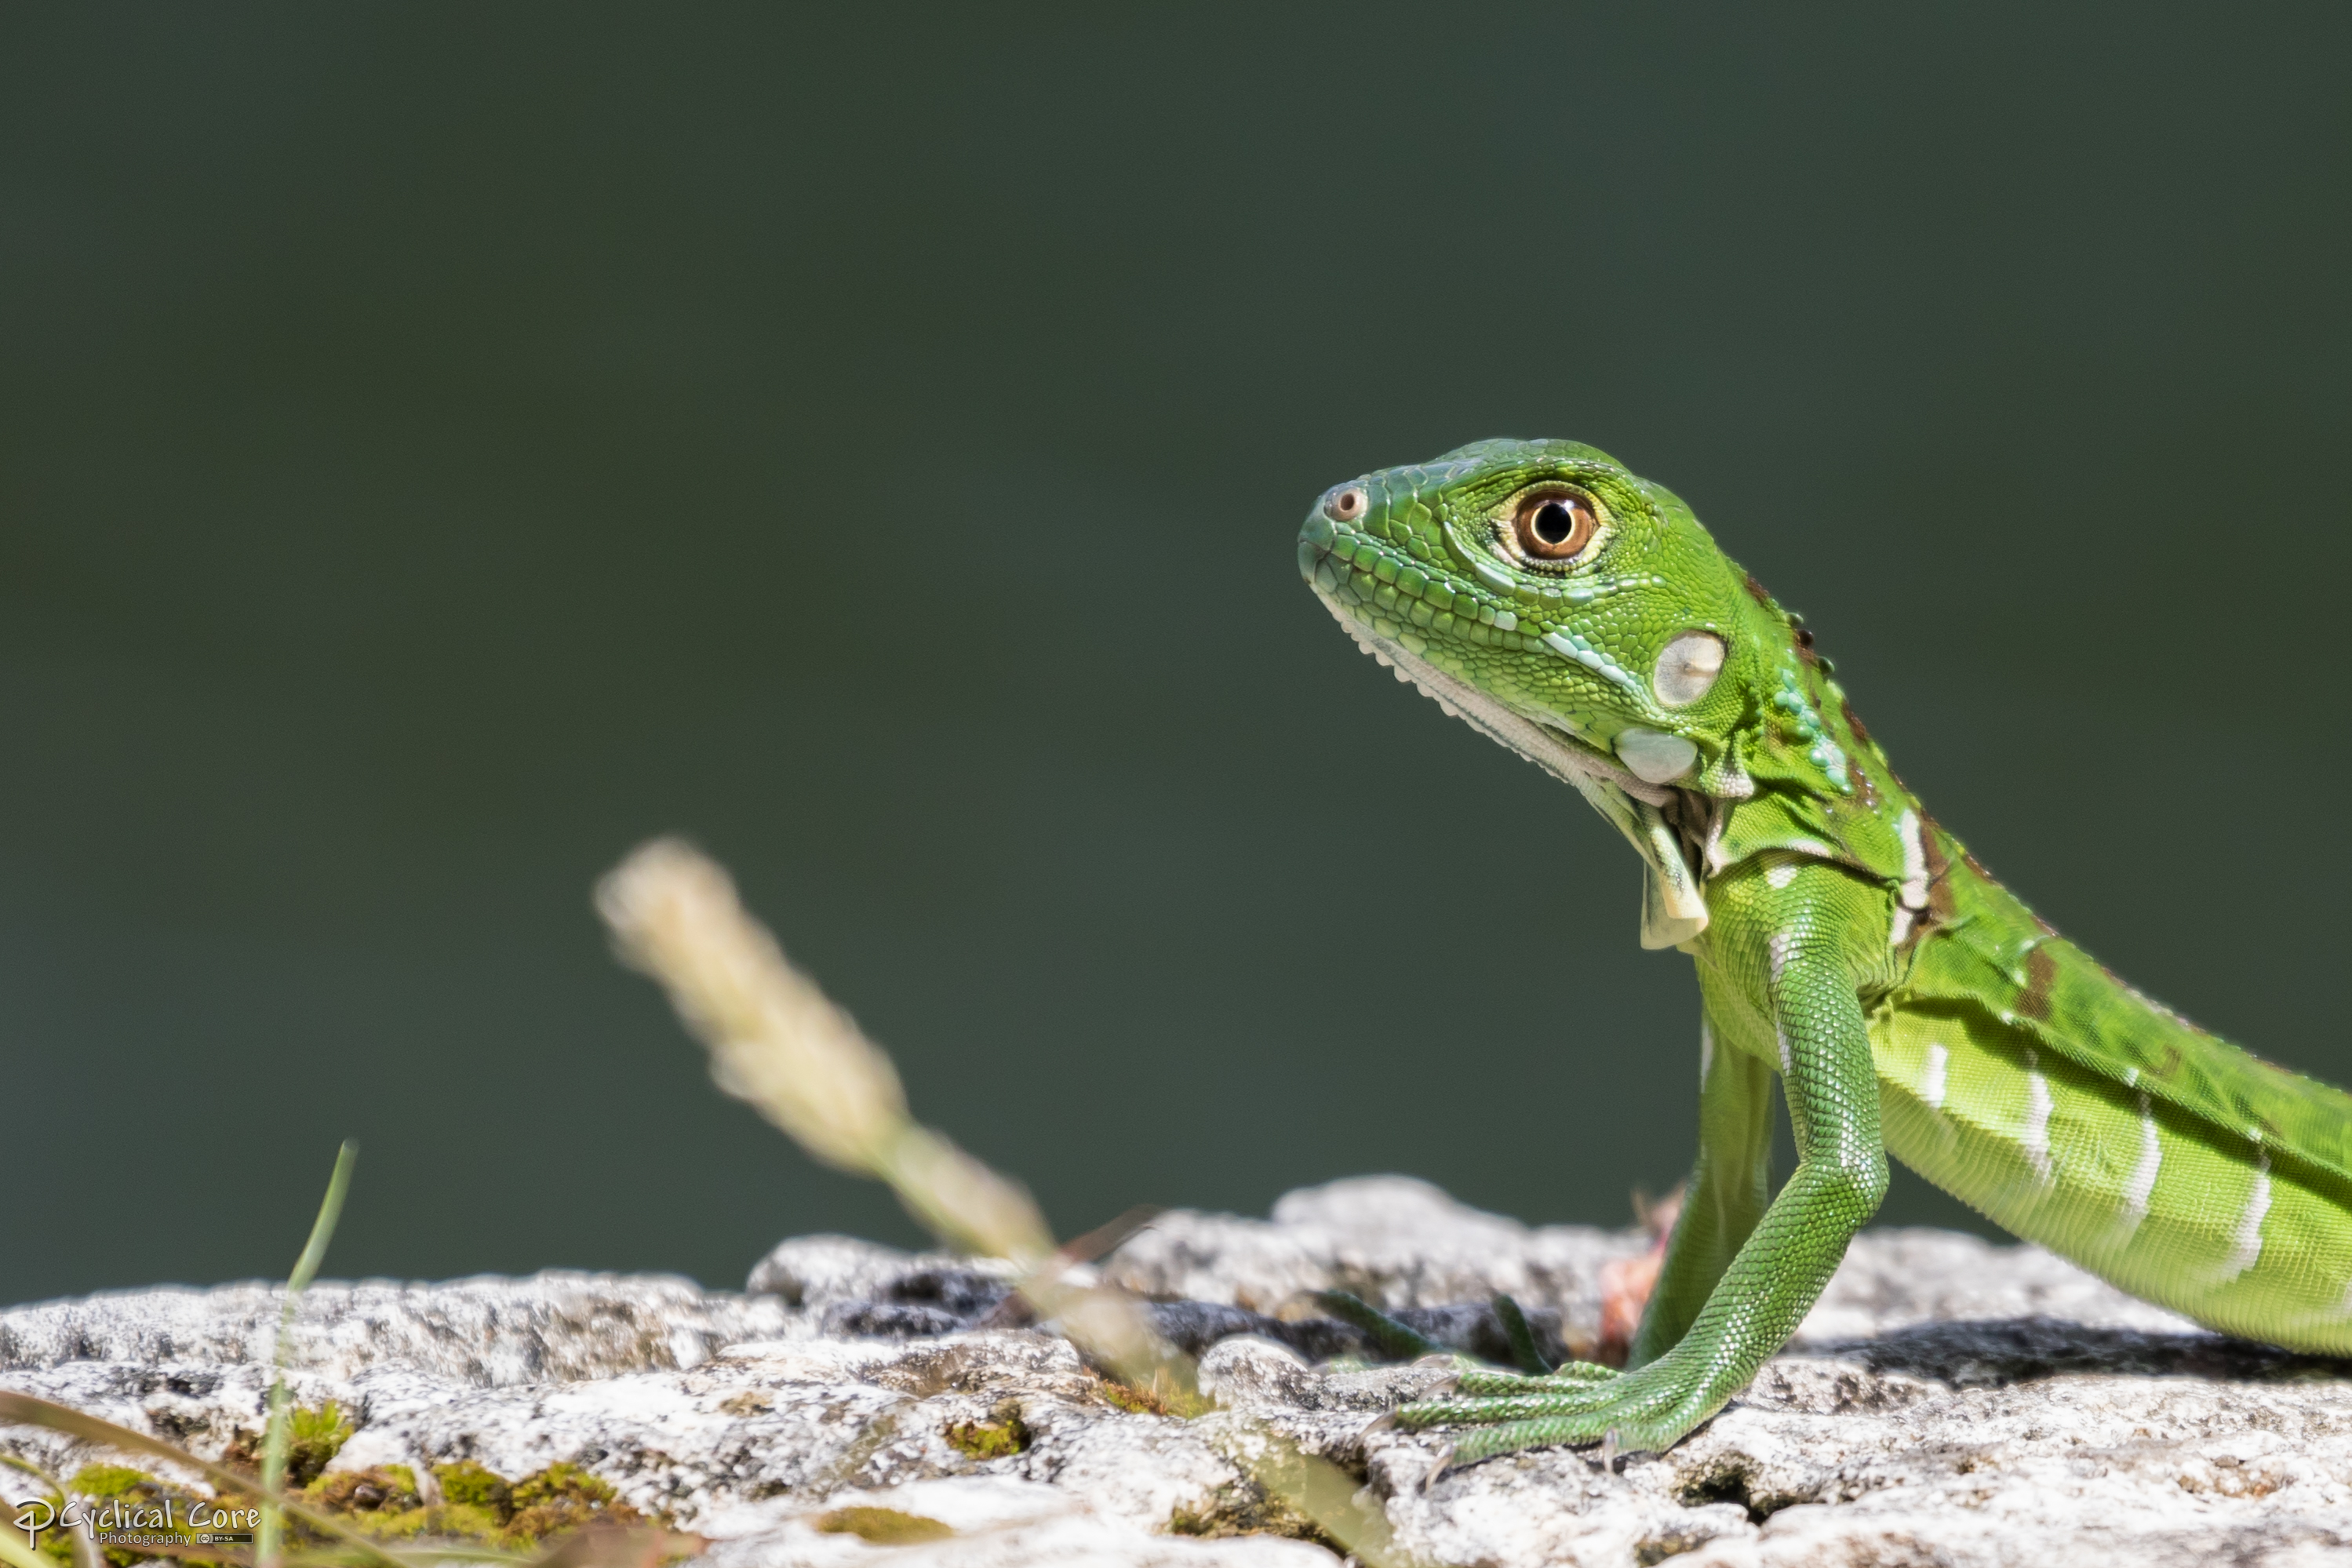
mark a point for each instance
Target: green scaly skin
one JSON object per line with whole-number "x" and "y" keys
{"x": 1910, "y": 1004}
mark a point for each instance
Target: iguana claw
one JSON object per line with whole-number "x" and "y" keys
{"x": 1444, "y": 1461}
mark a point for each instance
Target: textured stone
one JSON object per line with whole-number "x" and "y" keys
{"x": 1949, "y": 1401}
{"x": 552, "y": 1327}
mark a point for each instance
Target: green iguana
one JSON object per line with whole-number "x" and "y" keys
{"x": 1910, "y": 1004}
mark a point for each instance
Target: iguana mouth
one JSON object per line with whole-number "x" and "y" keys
{"x": 1548, "y": 747}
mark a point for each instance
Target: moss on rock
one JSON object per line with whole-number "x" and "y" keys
{"x": 989, "y": 1440}
{"x": 109, "y": 1480}
{"x": 381, "y": 1488}
{"x": 562, "y": 1498}
{"x": 314, "y": 1435}
{"x": 471, "y": 1484}
{"x": 883, "y": 1526}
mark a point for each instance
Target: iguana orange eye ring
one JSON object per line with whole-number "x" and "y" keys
{"x": 1346, "y": 505}
{"x": 1555, "y": 527}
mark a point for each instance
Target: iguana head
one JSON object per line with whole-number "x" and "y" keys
{"x": 1577, "y": 613}
{"x": 1580, "y": 616}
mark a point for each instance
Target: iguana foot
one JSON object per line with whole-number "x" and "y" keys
{"x": 1577, "y": 1403}
{"x": 1482, "y": 1381}
{"x": 1646, "y": 1411}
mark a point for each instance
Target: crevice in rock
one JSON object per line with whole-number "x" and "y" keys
{"x": 1735, "y": 1482}
{"x": 929, "y": 1301}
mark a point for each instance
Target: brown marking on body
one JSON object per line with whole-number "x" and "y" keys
{"x": 1853, "y": 720}
{"x": 1801, "y": 638}
{"x": 2041, "y": 974}
{"x": 1942, "y": 901}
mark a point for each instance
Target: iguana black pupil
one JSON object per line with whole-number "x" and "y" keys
{"x": 1554, "y": 523}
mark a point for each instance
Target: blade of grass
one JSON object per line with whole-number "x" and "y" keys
{"x": 306, "y": 1268}
{"x": 33, "y": 1470}
{"x": 1104, "y": 1239}
{"x": 1393, "y": 1339}
{"x": 422, "y": 1550}
{"x": 627, "y": 1546}
{"x": 16, "y": 1555}
{"x": 1521, "y": 1336}
{"x": 594, "y": 1546}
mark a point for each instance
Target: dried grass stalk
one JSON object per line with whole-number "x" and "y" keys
{"x": 782, "y": 1045}
{"x": 778, "y": 1042}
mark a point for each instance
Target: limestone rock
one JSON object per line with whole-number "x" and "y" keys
{"x": 552, "y": 1327}
{"x": 1949, "y": 1402}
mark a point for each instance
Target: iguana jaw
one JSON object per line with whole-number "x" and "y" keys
{"x": 1674, "y": 908}
{"x": 1549, "y": 748}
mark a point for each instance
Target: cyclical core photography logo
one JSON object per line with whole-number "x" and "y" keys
{"x": 136, "y": 1525}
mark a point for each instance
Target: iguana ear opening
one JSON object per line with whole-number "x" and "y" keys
{"x": 1687, "y": 667}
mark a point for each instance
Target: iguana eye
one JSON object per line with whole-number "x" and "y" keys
{"x": 1554, "y": 528}
{"x": 1345, "y": 505}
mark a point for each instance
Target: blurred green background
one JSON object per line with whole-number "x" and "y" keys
{"x": 444, "y": 446}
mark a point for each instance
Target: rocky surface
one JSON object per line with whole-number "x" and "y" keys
{"x": 1948, "y": 1402}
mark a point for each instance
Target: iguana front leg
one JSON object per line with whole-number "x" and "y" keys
{"x": 1730, "y": 1187}
{"x": 1796, "y": 945}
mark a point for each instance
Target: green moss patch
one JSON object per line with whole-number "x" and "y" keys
{"x": 476, "y": 1506}
{"x": 883, "y": 1526}
{"x": 1164, "y": 1396}
{"x": 314, "y": 1435}
{"x": 476, "y": 1485}
{"x": 562, "y": 1498}
{"x": 109, "y": 1480}
{"x": 989, "y": 1439}
{"x": 128, "y": 1500}
{"x": 382, "y": 1488}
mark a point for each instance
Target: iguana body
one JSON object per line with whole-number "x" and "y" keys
{"x": 1844, "y": 940}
